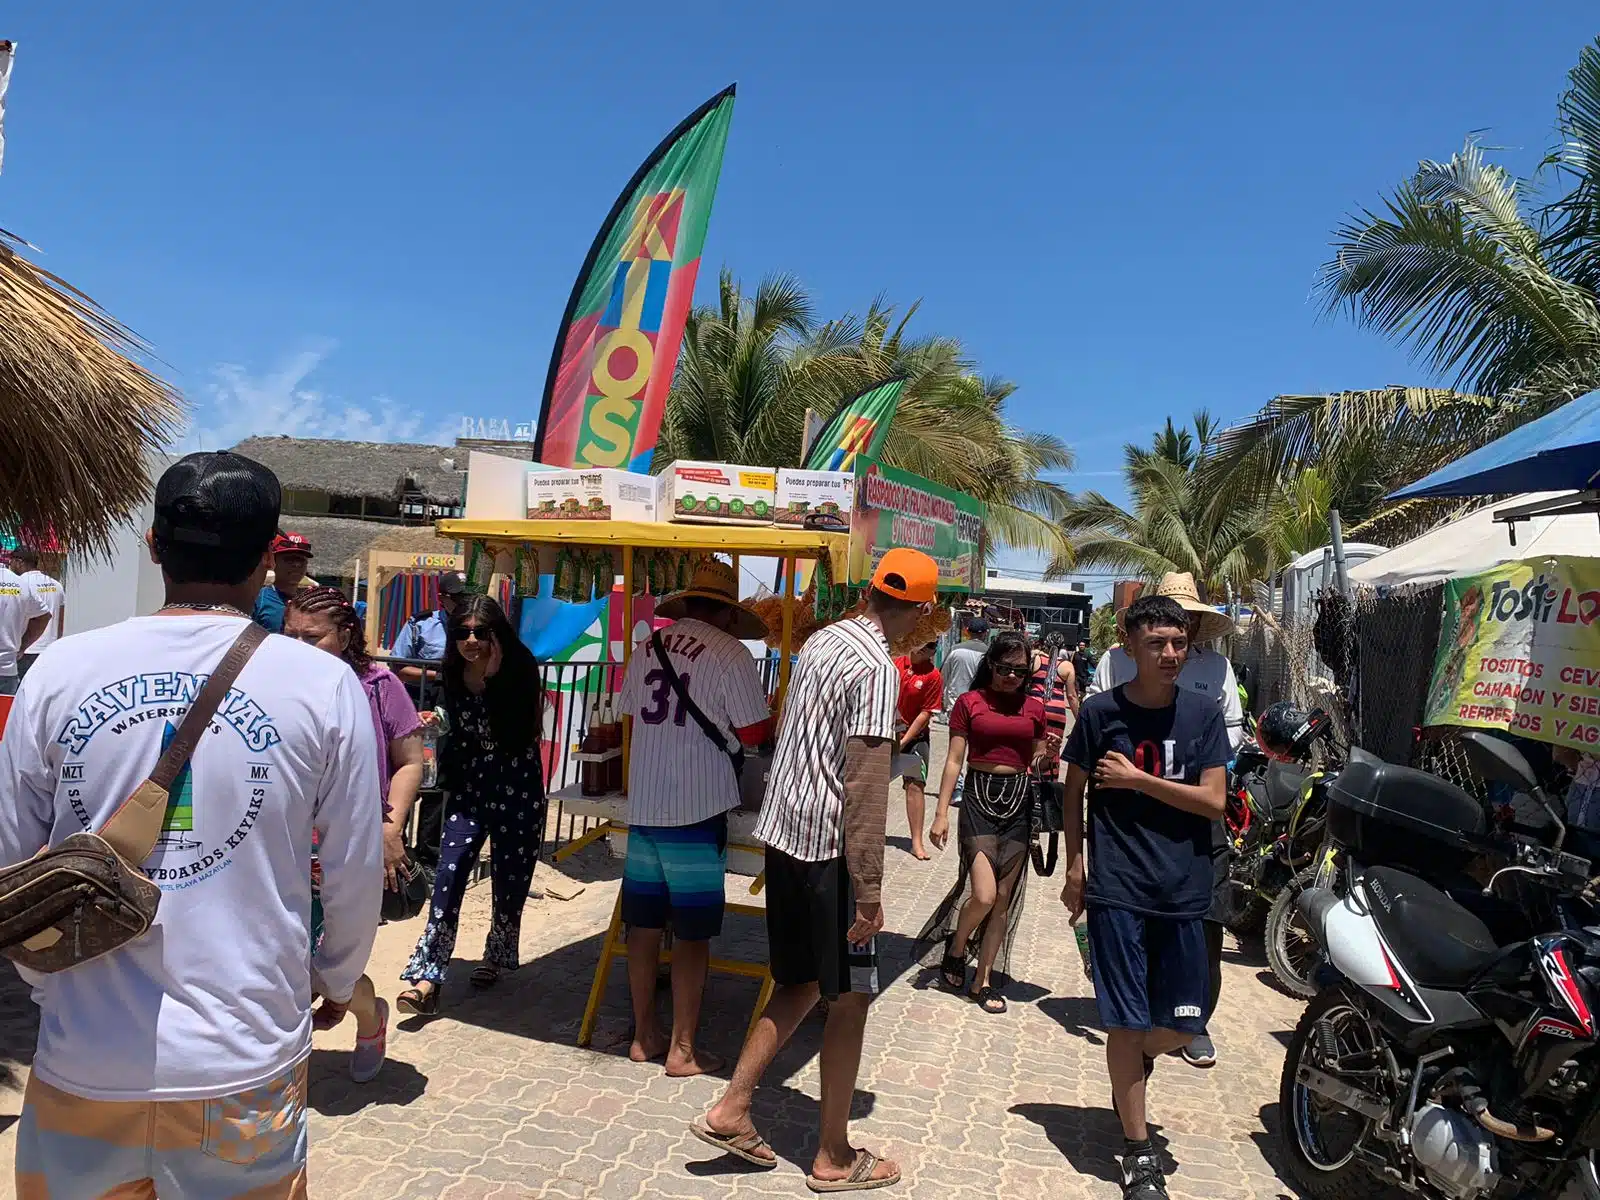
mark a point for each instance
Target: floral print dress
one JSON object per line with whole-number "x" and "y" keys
{"x": 496, "y": 795}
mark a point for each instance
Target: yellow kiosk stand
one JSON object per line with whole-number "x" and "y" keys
{"x": 790, "y": 545}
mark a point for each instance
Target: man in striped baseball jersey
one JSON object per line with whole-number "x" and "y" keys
{"x": 681, "y": 784}
{"x": 823, "y": 822}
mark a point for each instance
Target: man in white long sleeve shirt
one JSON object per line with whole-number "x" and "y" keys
{"x": 179, "y": 1059}
{"x": 1207, "y": 673}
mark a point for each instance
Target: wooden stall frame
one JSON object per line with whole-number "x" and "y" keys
{"x": 383, "y": 565}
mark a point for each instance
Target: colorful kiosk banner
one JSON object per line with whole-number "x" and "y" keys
{"x": 619, "y": 338}
{"x": 858, "y": 430}
{"x": 1519, "y": 649}
{"x": 897, "y": 508}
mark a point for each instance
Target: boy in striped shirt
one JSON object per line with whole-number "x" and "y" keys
{"x": 823, "y": 823}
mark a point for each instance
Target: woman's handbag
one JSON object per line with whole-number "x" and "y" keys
{"x": 412, "y": 898}
{"x": 1049, "y": 797}
{"x": 87, "y": 896}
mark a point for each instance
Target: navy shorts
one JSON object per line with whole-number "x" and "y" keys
{"x": 1149, "y": 972}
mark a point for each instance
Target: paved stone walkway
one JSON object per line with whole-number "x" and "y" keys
{"x": 493, "y": 1099}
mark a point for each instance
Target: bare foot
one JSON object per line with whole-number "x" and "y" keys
{"x": 700, "y": 1062}
{"x": 920, "y": 853}
{"x": 646, "y": 1048}
{"x": 825, "y": 1170}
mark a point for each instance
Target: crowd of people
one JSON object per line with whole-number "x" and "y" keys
{"x": 183, "y": 1052}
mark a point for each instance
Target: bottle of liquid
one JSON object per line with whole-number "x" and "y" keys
{"x": 592, "y": 774}
{"x": 433, "y": 732}
{"x": 613, "y": 730}
{"x": 1080, "y": 931}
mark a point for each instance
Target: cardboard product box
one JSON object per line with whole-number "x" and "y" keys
{"x": 596, "y": 494}
{"x": 720, "y": 492}
{"x": 801, "y": 493}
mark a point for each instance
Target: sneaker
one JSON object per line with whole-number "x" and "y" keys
{"x": 370, "y": 1052}
{"x": 1142, "y": 1177}
{"x": 1200, "y": 1052}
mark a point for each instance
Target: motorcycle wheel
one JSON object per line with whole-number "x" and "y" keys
{"x": 1319, "y": 1138}
{"x": 1243, "y": 910}
{"x": 1292, "y": 952}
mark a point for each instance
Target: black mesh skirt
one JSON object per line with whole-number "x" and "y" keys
{"x": 997, "y": 822}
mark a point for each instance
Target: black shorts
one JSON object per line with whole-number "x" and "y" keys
{"x": 810, "y": 908}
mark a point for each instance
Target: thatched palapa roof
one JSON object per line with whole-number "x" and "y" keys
{"x": 337, "y": 542}
{"x": 383, "y": 470}
{"x": 77, "y": 414}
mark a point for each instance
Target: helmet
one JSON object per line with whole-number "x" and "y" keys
{"x": 1286, "y": 730}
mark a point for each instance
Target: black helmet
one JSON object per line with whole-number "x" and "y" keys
{"x": 1286, "y": 731}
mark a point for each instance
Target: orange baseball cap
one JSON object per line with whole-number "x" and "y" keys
{"x": 907, "y": 575}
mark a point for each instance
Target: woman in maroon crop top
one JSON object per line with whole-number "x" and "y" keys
{"x": 999, "y": 730}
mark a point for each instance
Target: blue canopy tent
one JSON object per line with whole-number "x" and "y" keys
{"x": 1559, "y": 450}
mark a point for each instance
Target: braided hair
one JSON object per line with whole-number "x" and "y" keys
{"x": 330, "y": 602}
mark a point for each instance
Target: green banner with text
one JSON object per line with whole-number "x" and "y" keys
{"x": 897, "y": 508}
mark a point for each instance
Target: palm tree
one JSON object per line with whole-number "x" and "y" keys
{"x": 752, "y": 365}
{"x": 1183, "y": 518}
{"x": 1497, "y": 295}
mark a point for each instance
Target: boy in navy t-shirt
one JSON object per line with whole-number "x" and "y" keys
{"x": 1157, "y": 757}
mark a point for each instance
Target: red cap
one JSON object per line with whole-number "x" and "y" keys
{"x": 292, "y": 543}
{"x": 907, "y": 574}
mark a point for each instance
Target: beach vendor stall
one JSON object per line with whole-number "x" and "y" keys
{"x": 654, "y": 557}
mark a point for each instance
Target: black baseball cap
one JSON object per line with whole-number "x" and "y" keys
{"x": 450, "y": 584}
{"x": 217, "y": 498}
{"x": 978, "y": 626}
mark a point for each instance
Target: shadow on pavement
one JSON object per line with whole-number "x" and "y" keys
{"x": 1077, "y": 1015}
{"x": 333, "y": 1093}
{"x": 1247, "y": 952}
{"x": 1089, "y": 1138}
{"x": 19, "y": 1029}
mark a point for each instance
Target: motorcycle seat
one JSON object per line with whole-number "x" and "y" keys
{"x": 1439, "y": 943}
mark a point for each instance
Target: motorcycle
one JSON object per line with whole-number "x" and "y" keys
{"x": 1442, "y": 1057}
{"x": 1274, "y": 815}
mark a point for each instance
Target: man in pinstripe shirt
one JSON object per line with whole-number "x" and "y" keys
{"x": 681, "y": 785}
{"x": 823, "y": 823}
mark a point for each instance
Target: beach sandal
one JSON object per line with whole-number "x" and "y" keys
{"x": 953, "y": 972}
{"x": 989, "y": 999}
{"x": 484, "y": 977}
{"x": 740, "y": 1145}
{"x": 860, "y": 1178}
{"x": 418, "y": 1003}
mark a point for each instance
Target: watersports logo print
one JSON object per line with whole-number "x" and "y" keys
{"x": 202, "y": 827}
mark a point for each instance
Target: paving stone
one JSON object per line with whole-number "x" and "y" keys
{"x": 492, "y": 1100}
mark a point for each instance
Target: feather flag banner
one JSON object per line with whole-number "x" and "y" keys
{"x": 858, "y": 430}
{"x": 618, "y": 344}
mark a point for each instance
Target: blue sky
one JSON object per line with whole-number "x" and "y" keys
{"x": 365, "y": 222}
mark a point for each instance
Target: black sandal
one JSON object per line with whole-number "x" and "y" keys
{"x": 989, "y": 999}
{"x": 953, "y": 972}
{"x": 417, "y": 1002}
{"x": 484, "y": 976}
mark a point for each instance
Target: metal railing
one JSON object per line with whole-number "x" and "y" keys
{"x": 573, "y": 692}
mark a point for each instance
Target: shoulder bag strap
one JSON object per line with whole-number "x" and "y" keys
{"x": 707, "y": 726}
{"x": 133, "y": 829}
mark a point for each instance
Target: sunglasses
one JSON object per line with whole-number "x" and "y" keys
{"x": 470, "y": 633}
{"x": 1007, "y": 669}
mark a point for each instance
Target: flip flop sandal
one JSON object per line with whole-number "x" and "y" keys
{"x": 953, "y": 972}
{"x": 484, "y": 977}
{"x": 740, "y": 1145}
{"x": 417, "y": 1003}
{"x": 989, "y": 999}
{"x": 860, "y": 1178}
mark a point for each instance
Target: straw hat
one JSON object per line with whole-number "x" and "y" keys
{"x": 715, "y": 580}
{"x": 1179, "y": 586}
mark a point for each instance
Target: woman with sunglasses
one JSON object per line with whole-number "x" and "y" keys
{"x": 1000, "y": 731}
{"x": 323, "y": 617}
{"x": 490, "y": 765}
